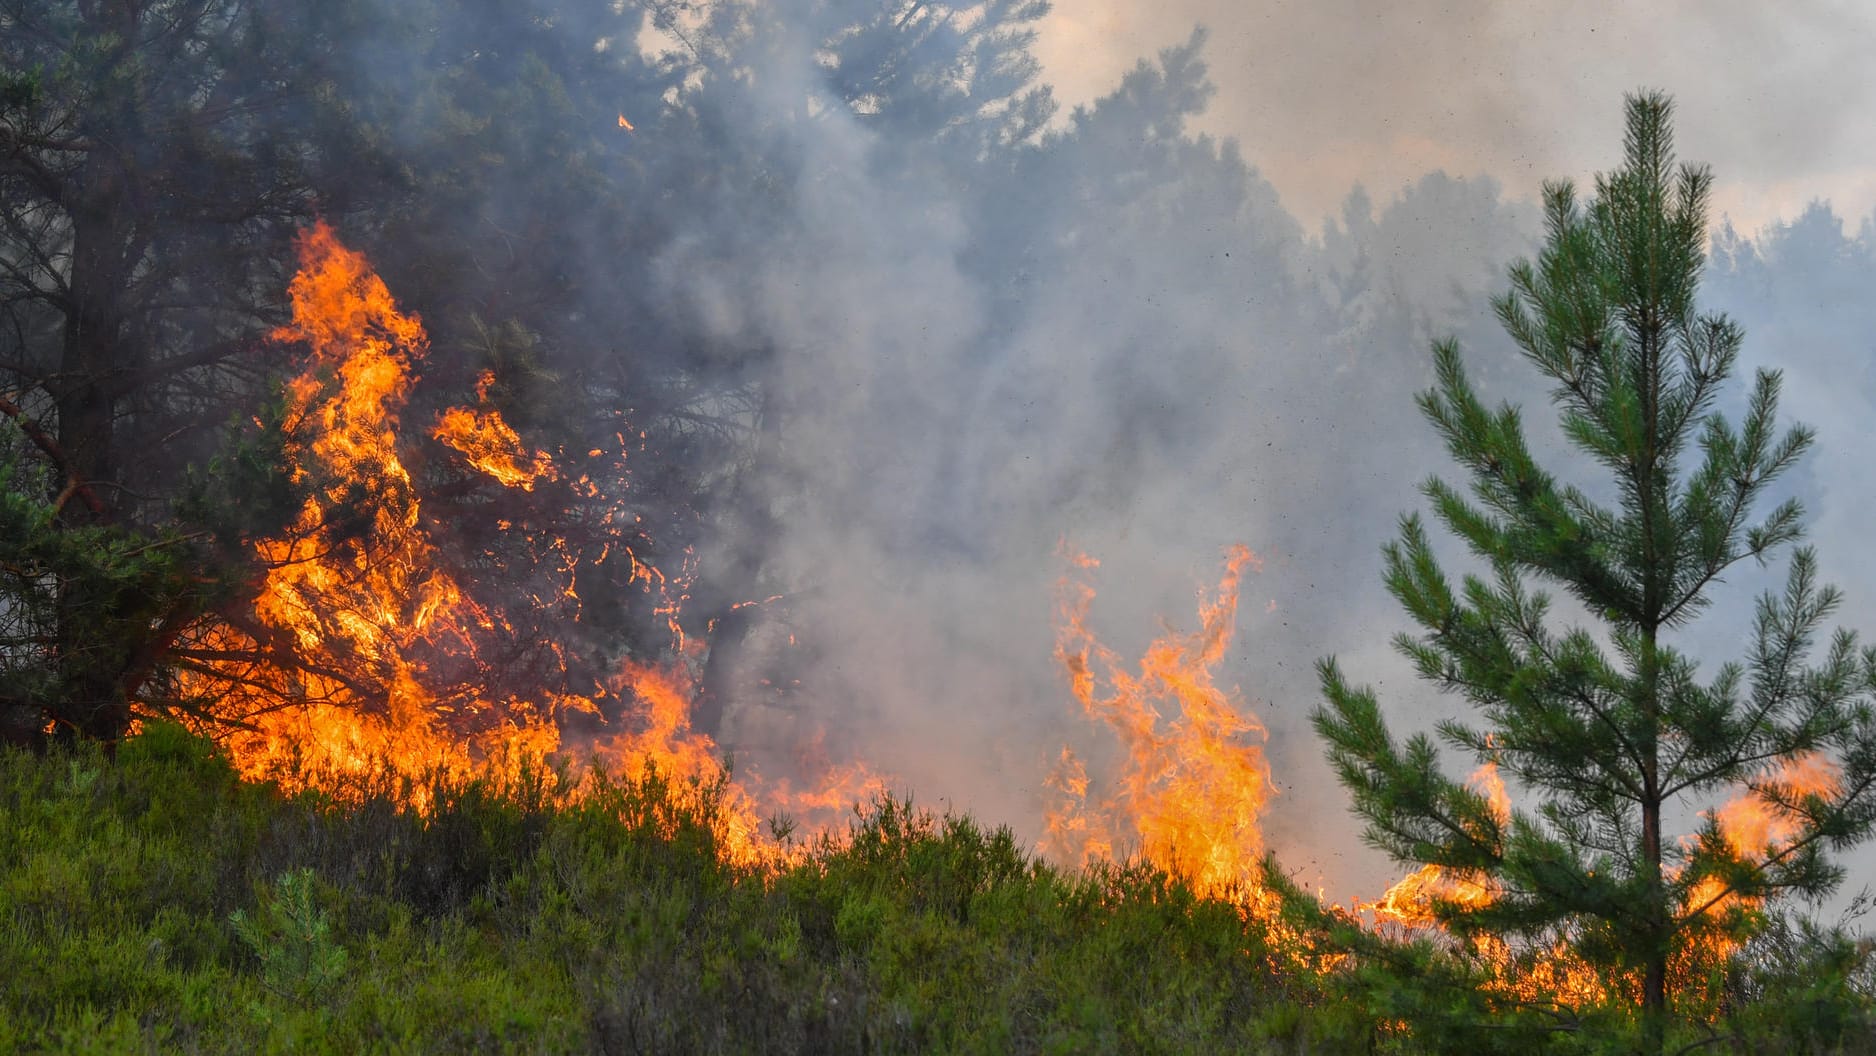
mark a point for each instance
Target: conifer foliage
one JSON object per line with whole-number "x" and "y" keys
{"x": 1611, "y": 735}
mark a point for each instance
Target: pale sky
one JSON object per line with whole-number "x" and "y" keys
{"x": 1780, "y": 98}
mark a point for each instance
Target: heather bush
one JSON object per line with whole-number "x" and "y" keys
{"x": 155, "y": 902}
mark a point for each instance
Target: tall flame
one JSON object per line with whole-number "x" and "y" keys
{"x": 360, "y": 649}
{"x": 352, "y": 591}
{"x": 1193, "y": 782}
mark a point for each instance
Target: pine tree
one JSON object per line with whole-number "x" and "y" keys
{"x": 154, "y": 160}
{"x": 1606, "y": 731}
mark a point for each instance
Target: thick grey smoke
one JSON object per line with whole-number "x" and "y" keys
{"x": 1802, "y": 290}
{"x": 1122, "y": 339}
{"x": 966, "y": 328}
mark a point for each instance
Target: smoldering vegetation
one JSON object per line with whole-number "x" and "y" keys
{"x": 897, "y": 329}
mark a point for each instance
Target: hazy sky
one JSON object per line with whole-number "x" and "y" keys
{"x": 1324, "y": 93}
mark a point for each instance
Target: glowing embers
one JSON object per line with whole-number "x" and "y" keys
{"x": 1192, "y": 782}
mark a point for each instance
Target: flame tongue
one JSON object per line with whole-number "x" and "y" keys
{"x": 336, "y": 576}
{"x": 1193, "y": 782}
{"x": 1755, "y": 829}
{"x": 491, "y": 445}
{"x": 1410, "y": 901}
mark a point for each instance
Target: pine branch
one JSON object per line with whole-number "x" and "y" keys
{"x": 74, "y": 487}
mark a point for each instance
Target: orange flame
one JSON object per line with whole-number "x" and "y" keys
{"x": 1756, "y": 829}
{"x": 1753, "y": 828}
{"x": 1410, "y": 901}
{"x": 360, "y": 650}
{"x": 488, "y": 443}
{"x": 353, "y": 608}
{"x": 1193, "y": 781}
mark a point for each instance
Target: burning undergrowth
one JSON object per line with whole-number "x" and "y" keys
{"x": 1188, "y": 785}
{"x": 370, "y": 644}
{"x": 424, "y": 612}
{"x": 1192, "y": 782}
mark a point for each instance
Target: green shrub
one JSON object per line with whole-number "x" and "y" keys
{"x": 292, "y": 938}
{"x": 155, "y": 902}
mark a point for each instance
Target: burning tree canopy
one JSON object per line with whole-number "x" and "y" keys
{"x": 357, "y": 619}
{"x": 1612, "y": 732}
{"x": 365, "y": 644}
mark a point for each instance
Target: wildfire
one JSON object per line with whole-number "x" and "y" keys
{"x": 351, "y": 590}
{"x": 489, "y": 444}
{"x": 1753, "y": 827}
{"x": 1756, "y": 829}
{"x": 1410, "y": 901}
{"x": 1193, "y": 781}
{"x": 360, "y": 651}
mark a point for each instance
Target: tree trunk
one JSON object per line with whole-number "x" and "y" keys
{"x": 1656, "y": 913}
{"x": 729, "y": 631}
{"x": 1655, "y": 970}
{"x": 93, "y": 700}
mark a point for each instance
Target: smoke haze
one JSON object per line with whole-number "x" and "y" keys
{"x": 1341, "y": 91}
{"x": 1124, "y": 339}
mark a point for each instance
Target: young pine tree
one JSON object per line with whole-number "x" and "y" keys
{"x": 1613, "y": 738}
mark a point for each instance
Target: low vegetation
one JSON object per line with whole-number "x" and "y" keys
{"x": 154, "y": 902}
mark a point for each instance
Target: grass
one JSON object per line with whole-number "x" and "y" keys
{"x": 154, "y": 902}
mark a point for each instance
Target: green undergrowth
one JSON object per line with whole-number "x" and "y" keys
{"x": 154, "y": 902}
